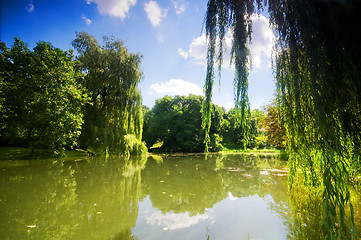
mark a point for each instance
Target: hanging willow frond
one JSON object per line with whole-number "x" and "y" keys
{"x": 317, "y": 68}
{"x": 211, "y": 23}
{"x": 220, "y": 16}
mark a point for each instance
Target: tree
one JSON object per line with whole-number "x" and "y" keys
{"x": 275, "y": 126}
{"x": 232, "y": 132}
{"x": 16, "y": 90}
{"x": 177, "y": 123}
{"x": 318, "y": 82}
{"x": 111, "y": 77}
{"x": 157, "y": 125}
{"x": 41, "y": 97}
{"x": 257, "y": 136}
{"x": 258, "y": 116}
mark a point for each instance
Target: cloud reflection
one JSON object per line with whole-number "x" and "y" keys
{"x": 174, "y": 221}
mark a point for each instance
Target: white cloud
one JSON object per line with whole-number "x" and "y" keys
{"x": 155, "y": 13}
{"x": 87, "y": 20}
{"x": 176, "y": 87}
{"x": 228, "y": 106}
{"x": 182, "y": 53}
{"x": 263, "y": 41}
{"x": 180, "y": 6}
{"x": 231, "y": 197}
{"x": 30, "y": 7}
{"x": 198, "y": 48}
{"x": 114, "y": 8}
{"x": 174, "y": 221}
{"x": 261, "y": 47}
{"x": 197, "y": 51}
{"x": 160, "y": 38}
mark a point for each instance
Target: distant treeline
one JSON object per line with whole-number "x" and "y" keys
{"x": 174, "y": 125}
{"x": 51, "y": 100}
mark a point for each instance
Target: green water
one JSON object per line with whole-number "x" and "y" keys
{"x": 184, "y": 197}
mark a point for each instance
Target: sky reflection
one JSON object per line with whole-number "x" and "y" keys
{"x": 232, "y": 218}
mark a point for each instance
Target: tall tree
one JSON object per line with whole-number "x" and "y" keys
{"x": 274, "y": 124}
{"x": 318, "y": 81}
{"x": 41, "y": 97}
{"x": 111, "y": 77}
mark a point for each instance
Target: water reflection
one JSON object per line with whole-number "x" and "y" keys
{"x": 218, "y": 197}
{"x": 94, "y": 199}
{"x": 185, "y": 197}
{"x": 194, "y": 184}
{"x": 35, "y": 197}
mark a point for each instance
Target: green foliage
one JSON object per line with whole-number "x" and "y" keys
{"x": 130, "y": 146}
{"x": 319, "y": 91}
{"x": 41, "y": 99}
{"x": 220, "y": 16}
{"x": 234, "y": 134}
{"x": 177, "y": 122}
{"x": 50, "y": 101}
{"x": 232, "y": 131}
{"x": 111, "y": 77}
{"x": 317, "y": 62}
{"x": 258, "y": 138}
{"x": 274, "y": 125}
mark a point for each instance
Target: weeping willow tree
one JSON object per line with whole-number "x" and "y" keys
{"x": 115, "y": 111}
{"x": 317, "y": 68}
{"x": 222, "y": 15}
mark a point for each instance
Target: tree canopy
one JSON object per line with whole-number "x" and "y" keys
{"x": 50, "y": 100}
{"x": 111, "y": 78}
{"x": 317, "y": 62}
{"x": 175, "y": 124}
{"x": 41, "y": 98}
{"x": 274, "y": 125}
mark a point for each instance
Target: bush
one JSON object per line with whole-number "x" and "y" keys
{"x": 130, "y": 145}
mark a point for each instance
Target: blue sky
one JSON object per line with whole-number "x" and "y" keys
{"x": 168, "y": 33}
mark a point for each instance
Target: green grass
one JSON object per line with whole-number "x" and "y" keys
{"x": 273, "y": 151}
{"x": 17, "y": 157}
{"x": 282, "y": 154}
{"x": 263, "y": 153}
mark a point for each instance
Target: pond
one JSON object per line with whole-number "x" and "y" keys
{"x": 229, "y": 196}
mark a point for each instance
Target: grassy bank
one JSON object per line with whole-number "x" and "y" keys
{"x": 24, "y": 154}
{"x": 280, "y": 153}
{"x": 17, "y": 153}
{"x": 274, "y": 153}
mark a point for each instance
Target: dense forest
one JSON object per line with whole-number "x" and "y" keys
{"x": 174, "y": 125}
{"x": 51, "y": 100}
{"x": 316, "y": 63}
